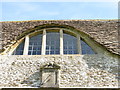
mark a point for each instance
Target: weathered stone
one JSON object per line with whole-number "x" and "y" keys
{"x": 25, "y": 71}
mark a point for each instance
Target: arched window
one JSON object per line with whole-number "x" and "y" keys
{"x": 50, "y": 42}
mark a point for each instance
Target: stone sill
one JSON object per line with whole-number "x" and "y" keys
{"x": 56, "y": 55}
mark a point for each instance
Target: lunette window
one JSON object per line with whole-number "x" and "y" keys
{"x": 53, "y": 45}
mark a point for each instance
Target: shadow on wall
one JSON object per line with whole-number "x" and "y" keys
{"x": 101, "y": 65}
{"x": 33, "y": 80}
{"x": 100, "y": 70}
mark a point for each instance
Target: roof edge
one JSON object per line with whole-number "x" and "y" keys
{"x": 65, "y": 20}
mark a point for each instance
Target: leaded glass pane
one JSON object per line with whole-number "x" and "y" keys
{"x": 35, "y": 44}
{"x": 86, "y": 49}
{"x": 53, "y": 43}
{"x": 70, "y": 44}
{"x": 19, "y": 49}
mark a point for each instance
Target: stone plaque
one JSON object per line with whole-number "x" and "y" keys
{"x": 49, "y": 75}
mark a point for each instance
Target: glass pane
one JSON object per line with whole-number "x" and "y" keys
{"x": 38, "y": 53}
{"x": 35, "y": 44}
{"x": 53, "y": 43}
{"x": 19, "y": 49}
{"x": 86, "y": 49}
{"x": 70, "y": 44}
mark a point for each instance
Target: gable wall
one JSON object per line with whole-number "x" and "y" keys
{"x": 104, "y": 32}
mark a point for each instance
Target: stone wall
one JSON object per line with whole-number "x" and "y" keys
{"x": 104, "y": 32}
{"x": 75, "y": 70}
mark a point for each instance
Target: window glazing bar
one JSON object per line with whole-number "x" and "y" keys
{"x": 26, "y": 46}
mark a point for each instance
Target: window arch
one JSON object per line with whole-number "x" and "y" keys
{"x": 53, "y": 41}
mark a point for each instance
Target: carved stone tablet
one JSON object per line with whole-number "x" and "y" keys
{"x": 49, "y": 75}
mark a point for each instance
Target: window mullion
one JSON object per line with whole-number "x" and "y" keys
{"x": 79, "y": 45}
{"x": 61, "y": 42}
{"x": 43, "y": 43}
{"x": 26, "y": 45}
